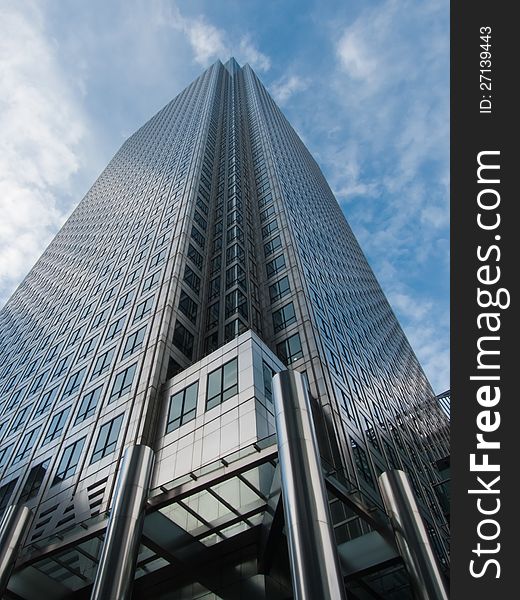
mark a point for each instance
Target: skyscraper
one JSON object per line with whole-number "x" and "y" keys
{"x": 209, "y": 255}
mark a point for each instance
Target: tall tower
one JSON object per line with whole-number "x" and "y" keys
{"x": 208, "y": 255}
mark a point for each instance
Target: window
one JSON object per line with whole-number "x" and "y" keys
{"x": 144, "y": 240}
{"x": 62, "y": 366}
{"x": 102, "y": 363}
{"x": 217, "y": 243}
{"x": 151, "y": 281}
{"x": 69, "y": 461}
{"x": 290, "y": 349}
{"x": 234, "y": 217}
{"x": 202, "y": 205}
{"x": 270, "y": 228}
{"x": 235, "y": 275}
{"x": 76, "y": 335}
{"x": 5, "y": 494}
{"x": 31, "y": 368}
{"x": 214, "y": 287}
{"x": 38, "y": 382}
{"x": 234, "y": 329}
{"x": 183, "y": 339}
{"x": 133, "y": 343}
{"x": 200, "y": 221}
{"x": 195, "y": 257}
{"x": 88, "y": 347}
{"x": 46, "y": 402}
{"x": 275, "y": 266}
{"x": 284, "y": 317}
{"x": 268, "y": 381}
{"x": 4, "y": 454}
{"x": 26, "y": 445}
{"x": 362, "y": 464}
{"x": 105, "y": 270}
{"x": 45, "y": 342}
{"x": 391, "y": 454}
{"x": 56, "y": 427}
{"x": 125, "y": 300}
{"x": 198, "y": 237}
{"x": 213, "y": 315}
{"x": 235, "y": 233}
{"x": 34, "y": 481}
{"x": 188, "y": 307}
{"x": 107, "y": 439}
{"x": 88, "y": 405}
{"x": 19, "y": 420}
{"x": 183, "y": 407}
{"x": 273, "y": 245}
{"x": 216, "y": 264}
{"x": 235, "y": 252}
{"x": 218, "y": 227}
{"x": 143, "y": 309}
{"x": 99, "y": 319}
{"x": 348, "y": 404}
{"x": 122, "y": 383}
{"x": 268, "y": 212}
{"x": 109, "y": 294}
{"x": 222, "y": 384}
{"x": 192, "y": 279}
{"x": 117, "y": 274}
{"x": 158, "y": 258}
{"x": 87, "y": 310}
{"x": 66, "y": 326}
{"x": 74, "y": 383}
{"x": 114, "y": 328}
{"x": 139, "y": 256}
{"x": 13, "y": 401}
{"x": 236, "y": 302}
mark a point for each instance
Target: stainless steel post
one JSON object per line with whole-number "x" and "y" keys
{"x": 115, "y": 574}
{"x": 12, "y": 529}
{"x": 411, "y": 536}
{"x": 315, "y": 568}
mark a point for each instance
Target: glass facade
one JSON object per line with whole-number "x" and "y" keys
{"x": 211, "y": 220}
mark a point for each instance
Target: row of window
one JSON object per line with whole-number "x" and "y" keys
{"x": 133, "y": 343}
{"x": 122, "y": 385}
{"x": 222, "y": 385}
{"x": 106, "y": 444}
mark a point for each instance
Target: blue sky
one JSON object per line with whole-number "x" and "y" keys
{"x": 365, "y": 84}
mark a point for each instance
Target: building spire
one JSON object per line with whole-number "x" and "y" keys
{"x": 232, "y": 66}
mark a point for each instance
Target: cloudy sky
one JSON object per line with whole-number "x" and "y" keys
{"x": 365, "y": 84}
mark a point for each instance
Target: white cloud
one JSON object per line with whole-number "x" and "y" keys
{"x": 392, "y": 84}
{"x": 409, "y": 307}
{"x": 355, "y": 56}
{"x": 389, "y": 162}
{"x": 287, "y": 86}
{"x": 41, "y": 124}
{"x": 206, "y": 40}
{"x": 248, "y": 53}
{"x": 210, "y": 43}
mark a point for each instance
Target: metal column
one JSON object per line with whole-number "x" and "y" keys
{"x": 411, "y": 537}
{"x": 315, "y": 568}
{"x": 115, "y": 574}
{"x": 12, "y": 529}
